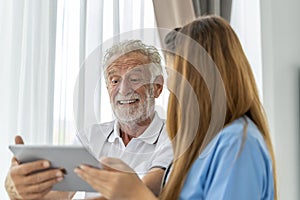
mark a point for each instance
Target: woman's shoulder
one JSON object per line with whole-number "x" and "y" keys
{"x": 241, "y": 132}
{"x": 241, "y": 128}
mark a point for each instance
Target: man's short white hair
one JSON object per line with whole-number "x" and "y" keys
{"x": 128, "y": 46}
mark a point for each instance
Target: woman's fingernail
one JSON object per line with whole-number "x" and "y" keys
{"x": 82, "y": 167}
{"x": 60, "y": 179}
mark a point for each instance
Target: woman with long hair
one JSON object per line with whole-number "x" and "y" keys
{"x": 221, "y": 141}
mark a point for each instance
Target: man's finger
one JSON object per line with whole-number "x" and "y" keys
{"x": 41, "y": 177}
{"x": 42, "y": 186}
{"x": 31, "y": 167}
{"x": 19, "y": 140}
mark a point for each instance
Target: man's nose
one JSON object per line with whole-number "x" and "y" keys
{"x": 125, "y": 87}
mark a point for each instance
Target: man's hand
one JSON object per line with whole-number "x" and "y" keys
{"x": 30, "y": 180}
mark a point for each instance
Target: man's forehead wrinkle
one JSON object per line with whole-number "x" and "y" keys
{"x": 122, "y": 57}
{"x": 128, "y": 63}
{"x": 133, "y": 69}
{"x": 130, "y": 56}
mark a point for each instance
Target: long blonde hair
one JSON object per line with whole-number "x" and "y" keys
{"x": 222, "y": 45}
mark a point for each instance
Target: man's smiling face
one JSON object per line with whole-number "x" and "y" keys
{"x": 131, "y": 93}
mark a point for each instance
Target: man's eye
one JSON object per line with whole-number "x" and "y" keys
{"x": 114, "y": 81}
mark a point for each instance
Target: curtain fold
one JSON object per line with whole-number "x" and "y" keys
{"x": 27, "y": 54}
{"x": 36, "y": 78}
{"x": 70, "y": 52}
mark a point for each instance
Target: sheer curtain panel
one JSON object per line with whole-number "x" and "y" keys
{"x": 27, "y": 50}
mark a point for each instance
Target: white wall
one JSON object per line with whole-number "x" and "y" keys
{"x": 281, "y": 67}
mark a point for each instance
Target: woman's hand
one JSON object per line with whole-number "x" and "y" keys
{"x": 116, "y": 181}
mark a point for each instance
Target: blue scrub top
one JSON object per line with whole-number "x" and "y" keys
{"x": 225, "y": 171}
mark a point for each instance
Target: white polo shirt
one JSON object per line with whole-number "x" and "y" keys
{"x": 149, "y": 150}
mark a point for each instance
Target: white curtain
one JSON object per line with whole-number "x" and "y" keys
{"x": 67, "y": 61}
{"x": 27, "y": 46}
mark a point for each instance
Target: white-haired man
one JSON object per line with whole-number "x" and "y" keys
{"x": 134, "y": 79}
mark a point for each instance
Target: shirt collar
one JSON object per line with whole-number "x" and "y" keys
{"x": 149, "y": 136}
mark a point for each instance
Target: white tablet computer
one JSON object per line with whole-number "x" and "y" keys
{"x": 66, "y": 157}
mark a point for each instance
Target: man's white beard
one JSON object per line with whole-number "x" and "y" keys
{"x": 134, "y": 114}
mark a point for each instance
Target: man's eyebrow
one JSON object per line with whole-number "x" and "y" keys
{"x": 111, "y": 72}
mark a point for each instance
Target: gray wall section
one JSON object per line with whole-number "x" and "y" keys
{"x": 281, "y": 67}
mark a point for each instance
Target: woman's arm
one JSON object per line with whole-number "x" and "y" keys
{"x": 153, "y": 180}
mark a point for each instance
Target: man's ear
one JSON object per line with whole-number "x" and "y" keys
{"x": 158, "y": 85}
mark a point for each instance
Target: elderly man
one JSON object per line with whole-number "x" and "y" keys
{"x": 134, "y": 79}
